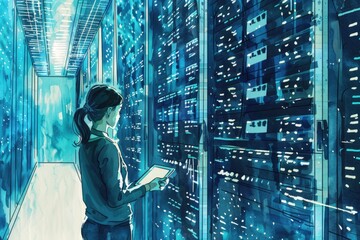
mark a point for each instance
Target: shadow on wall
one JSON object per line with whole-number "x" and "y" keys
{"x": 56, "y": 107}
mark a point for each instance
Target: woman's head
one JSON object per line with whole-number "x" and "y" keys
{"x": 102, "y": 102}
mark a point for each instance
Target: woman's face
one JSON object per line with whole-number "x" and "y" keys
{"x": 114, "y": 116}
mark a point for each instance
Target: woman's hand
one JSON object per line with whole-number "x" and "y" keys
{"x": 157, "y": 184}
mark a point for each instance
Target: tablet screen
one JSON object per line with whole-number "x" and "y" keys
{"x": 154, "y": 172}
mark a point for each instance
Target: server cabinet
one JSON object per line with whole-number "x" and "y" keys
{"x": 279, "y": 83}
{"x": 344, "y": 168}
{"x": 94, "y": 60}
{"x": 19, "y": 108}
{"x": 130, "y": 79}
{"x": 6, "y": 143}
{"x": 107, "y": 40}
{"x": 174, "y": 70}
{"x": 266, "y": 119}
{"x": 17, "y": 115}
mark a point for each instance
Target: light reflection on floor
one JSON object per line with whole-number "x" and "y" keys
{"x": 53, "y": 207}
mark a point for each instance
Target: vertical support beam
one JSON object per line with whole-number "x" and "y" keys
{"x": 114, "y": 53}
{"x": 81, "y": 83}
{"x": 203, "y": 160}
{"x": 33, "y": 106}
{"x": 100, "y": 62}
{"x": 325, "y": 108}
{"x": 37, "y": 117}
{"x": 13, "y": 115}
{"x": 321, "y": 112}
{"x": 147, "y": 210}
{"x": 24, "y": 112}
{"x": 115, "y": 48}
{"x": 89, "y": 64}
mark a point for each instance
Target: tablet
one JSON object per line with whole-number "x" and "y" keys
{"x": 154, "y": 172}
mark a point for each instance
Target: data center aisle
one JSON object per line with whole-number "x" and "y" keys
{"x": 53, "y": 207}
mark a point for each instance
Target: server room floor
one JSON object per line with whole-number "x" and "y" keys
{"x": 52, "y": 207}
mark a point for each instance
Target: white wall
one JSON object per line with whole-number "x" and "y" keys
{"x": 56, "y": 109}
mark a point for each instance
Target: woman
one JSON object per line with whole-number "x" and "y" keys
{"x": 103, "y": 171}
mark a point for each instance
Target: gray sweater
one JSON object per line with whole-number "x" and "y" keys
{"x": 104, "y": 182}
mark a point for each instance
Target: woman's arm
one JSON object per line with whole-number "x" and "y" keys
{"x": 109, "y": 164}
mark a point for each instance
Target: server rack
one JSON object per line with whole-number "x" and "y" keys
{"x": 18, "y": 115}
{"x": 265, "y": 118}
{"x": 344, "y": 52}
{"x": 244, "y": 91}
{"x": 130, "y": 78}
{"x": 174, "y": 103}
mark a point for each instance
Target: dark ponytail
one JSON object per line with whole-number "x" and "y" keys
{"x": 98, "y": 100}
{"x": 81, "y": 128}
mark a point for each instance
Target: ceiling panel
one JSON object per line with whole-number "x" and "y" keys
{"x": 31, "y": 14}
{"x": 91, "y": 15}
{"x": 59, "y": 32}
